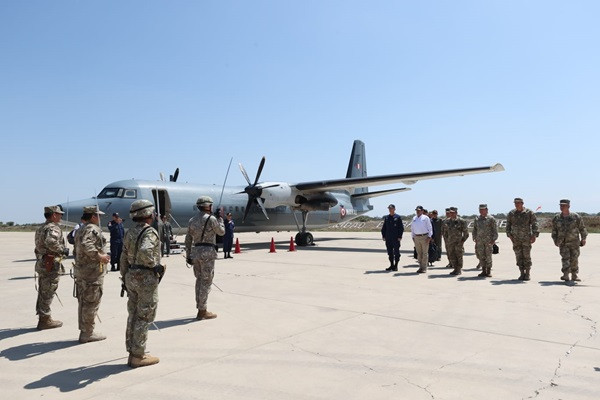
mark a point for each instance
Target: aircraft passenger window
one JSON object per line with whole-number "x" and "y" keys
{"x": 230, "y": 208}
{"x": 130, "y": 194}
{"x": 237, "y": 208}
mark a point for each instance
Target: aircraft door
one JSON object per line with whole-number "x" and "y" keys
{"x": 162, "y": 201}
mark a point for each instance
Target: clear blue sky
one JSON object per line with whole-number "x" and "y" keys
{"x": 94, "y": 92}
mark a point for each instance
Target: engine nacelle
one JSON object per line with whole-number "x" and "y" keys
{"x": 322, "y": 202}
{"x": 279, "y": 194}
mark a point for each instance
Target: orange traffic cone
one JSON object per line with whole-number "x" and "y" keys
{"x": 292, "y": 245}
{"x": 237, "y": 246}
{"x": 272, "y": 250}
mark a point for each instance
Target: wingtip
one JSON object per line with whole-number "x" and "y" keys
{"x": 498, "y": 167}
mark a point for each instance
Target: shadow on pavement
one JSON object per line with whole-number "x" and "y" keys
{"x": 77, "y": 378}
{"x": 437, "y": 276}
{"x": 414, "y": 273}
{"x": 508, "y": 282}
{"x": 172, "y": 322}
{"x": 30, "y": 350}
{"x": 471, "y": 278}
{"x": 26, "y": 260}
{"x": 9, "y": 333}
{"x": 377, "y": 271}
{"x": 558, "y": 283}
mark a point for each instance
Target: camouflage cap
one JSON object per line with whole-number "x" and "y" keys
{"x": 518, "y": 200}
{"x": 483, "y": 206}
{"x": 565, "y": 202}
{"x": 92, "y": 210}
{"x": 204, "y": 201}
{"x": 448, "y": 209}
{"x": 53, "y": 209}
{"x": 453, "y": 209}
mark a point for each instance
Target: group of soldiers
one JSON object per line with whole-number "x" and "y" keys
{"x": 568, "y": 233}
{"x": 140, "y": 268}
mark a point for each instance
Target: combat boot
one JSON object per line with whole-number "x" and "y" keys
{"x": 456, "y": 271}
{"x": 565, "y": 276}
{"x": 488, "y": 272}
{"x": 575, "y": 278}
{"x": 142, "y": 361}
{"x": 526, "y": 276}
{"x": 203, "y": 314}
{"x": 395, "y": 267}
{"x": 522, "y": 276}
{"x": 482, "y": 273}
{"x": 85, "y": 337}
{"x": 46, "y": 322}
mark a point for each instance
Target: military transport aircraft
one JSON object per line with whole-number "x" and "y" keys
{"x": 264, "y": 206}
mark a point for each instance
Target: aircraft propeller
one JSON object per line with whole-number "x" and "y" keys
{"x": 254, "y": 190}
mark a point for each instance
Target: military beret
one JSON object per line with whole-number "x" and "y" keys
{"x": 391, "y": 206}
{"x": 53, "y": 209}
{"x": 518, "y": 200}
{"x": 565, "y": 202}
{"x": 92, "y": 210}
{"x": 482, "y": 206}
{"x": 419, "y": 208}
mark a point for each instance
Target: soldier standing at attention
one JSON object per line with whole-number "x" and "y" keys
{"x": 49, "y": 248}
{"x": 485, "y": 233}
{"x": 522, "y": 230}
{"x": 455, "y": 234}
{"x": 391, "y": 232}
{"x": 568, "y": 233}
{"x": 421, "y": 232}
{"x": 115, "y": 227}
{"x": 167, "y": 236}
{"x": 141, "y": 274}
{"x": 444, "y": 227}
{"x": 436, "y": 224}
{"x": 201, "y": 252}
{"x": 90, "y": 268}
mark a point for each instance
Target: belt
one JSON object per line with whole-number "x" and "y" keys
{"x": 420, "y": 234}
{"x": 135, "y": 266}
{"x": 204, "y": 245}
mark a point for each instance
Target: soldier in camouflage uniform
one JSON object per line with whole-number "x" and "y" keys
{"x": 140, "y": 271}
{"x": 90, "y": 268}
{"x": 455, "y": 234}
{"x": 444, "y": 222}
{"x": 485, "y": 234}
{"x": 200, "y": 243}
{"x": 49, "y": 250}
{"x": 522, "y": 229}
{"x": 568, "y": 233}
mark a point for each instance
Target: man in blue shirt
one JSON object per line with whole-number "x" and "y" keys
{"x": 117, "y": 232}
{"x": 392, "y": 231}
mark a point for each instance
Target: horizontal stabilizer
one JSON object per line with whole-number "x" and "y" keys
{"x": 367, "y": 195}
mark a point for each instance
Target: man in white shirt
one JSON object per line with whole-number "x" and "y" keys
{"x": 421, "y": 232}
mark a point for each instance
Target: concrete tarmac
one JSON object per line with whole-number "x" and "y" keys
{"x": 324, "y": 322}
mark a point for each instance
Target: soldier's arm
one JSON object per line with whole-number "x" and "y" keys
{"x": 188, "y": 242}
{"x": 582, "y": 231}
{"x": 124, "y": 260}
{"x": 465, "y": 231}
{"x": 54, "y": 241}
{"x": 383, "y": 228}
{"x": 148, "y": 252}
{"x": 400, "y": 228}
{"x": 509, "y": 225}
{"x": 555, "y": 231}
{"x": 218, "y": 226}
{"x": 494, "y": 230}
{"x": 535, "y": 231}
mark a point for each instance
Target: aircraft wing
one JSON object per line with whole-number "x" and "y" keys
{"x": 407, "y": 179}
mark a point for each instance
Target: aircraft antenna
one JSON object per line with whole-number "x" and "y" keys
{"x": 224, "y": 182}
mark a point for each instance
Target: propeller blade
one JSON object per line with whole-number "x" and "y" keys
{"x": 175, "y": 175}
{"x": 248, "y": 204}
{"x": 262, "y": 207}
{"x": 268, "y": 186}
{"x": 260, "y": 168}
{"x": 244, "y": 173}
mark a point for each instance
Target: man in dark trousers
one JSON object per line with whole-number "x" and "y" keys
{"x": 116, "y": 241}
{"x": 392, "y": 231}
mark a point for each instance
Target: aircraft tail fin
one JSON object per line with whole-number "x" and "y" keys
{"x": 357, "y": 166}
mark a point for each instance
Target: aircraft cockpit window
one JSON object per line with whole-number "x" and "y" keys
{"x": 107, "y": 193}
{"x": 130, "y": 194}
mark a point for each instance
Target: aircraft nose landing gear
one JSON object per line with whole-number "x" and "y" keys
{"x": 304, "y": 239}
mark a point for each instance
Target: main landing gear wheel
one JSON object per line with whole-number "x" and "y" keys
{"x": 304, "y": 239}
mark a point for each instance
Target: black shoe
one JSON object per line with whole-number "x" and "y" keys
{"x": 421, "y": 271}
{"x": 390, "y": 268}
{"x": 455, "y": 272}
{"x": 394, "y": 269}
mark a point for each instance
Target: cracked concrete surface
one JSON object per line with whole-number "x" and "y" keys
{"x": 320, "y": 324}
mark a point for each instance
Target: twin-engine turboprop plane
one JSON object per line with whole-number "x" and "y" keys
{"x": 264, "y": 206}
